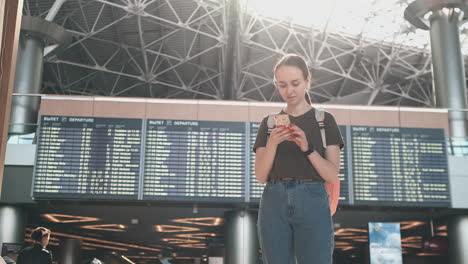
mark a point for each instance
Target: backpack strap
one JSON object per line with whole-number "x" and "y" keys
{"x": 320, "y": 117}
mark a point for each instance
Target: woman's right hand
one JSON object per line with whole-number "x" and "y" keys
{"x": 278, "y": 135}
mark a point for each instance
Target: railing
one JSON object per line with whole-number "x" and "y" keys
{"x": 22, "y": 139}
{"x": 457, "y": 147}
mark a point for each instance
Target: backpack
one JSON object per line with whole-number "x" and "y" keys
{"x": 333, "y": 190}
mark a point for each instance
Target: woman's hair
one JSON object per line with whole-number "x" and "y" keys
{"x": 39, "y": 233}
{"x": 299, "y": 62}
{"x": 295, "y": 61}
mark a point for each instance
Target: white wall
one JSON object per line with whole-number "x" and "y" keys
{"x": 20, "y": 154}
{"x": 458, "y": 169}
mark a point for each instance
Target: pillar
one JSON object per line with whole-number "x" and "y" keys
{"x": 240, "y": 237}
{"x": 28, "y": 80}
{"x": 35, "y": 32}
{"x": 448, "y": 69}
{"x": 442, "y": 19}
{"x": 458, "y": 239}
{"x": 12, "y": 224}
{"x": 70, "y": 251}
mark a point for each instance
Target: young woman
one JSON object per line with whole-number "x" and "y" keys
{"x": 294, "y": 219}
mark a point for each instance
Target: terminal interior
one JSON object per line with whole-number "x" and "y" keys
{"x": 128, "y": 125}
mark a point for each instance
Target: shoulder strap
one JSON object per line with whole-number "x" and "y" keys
{"x": 320, "y": 117}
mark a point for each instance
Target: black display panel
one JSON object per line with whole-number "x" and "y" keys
{"x": 194, "y": 160}
{"x": 184, "y": 160}
{"x": 400, "y": 166}
{"x": 343, "y": 175}
{"x": 88, "y": 158}
{"x": 256, "y": 189}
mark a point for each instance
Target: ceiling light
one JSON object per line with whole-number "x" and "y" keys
{"x": 201, "y": 236}
{"x": 349, "y": 231}
{"x": 412, "y": 239}
{"x": 428, "y": 254}
{"x": 88, "y": 248}
{"x": 199, "y": 245}
{"x": 173, "y": 228}
{"x": 411, "y": 224}
{"x": 60, "y": 218}
{"x": 143, "y": 257}
{"x": 128, "y": 260}
{"x": 179, "y": 241}
{"x": 205, "y": 221}
{"x": 347, "y": 248}
{"x": 338, "y": 243}
{"x": 107, "y": 227}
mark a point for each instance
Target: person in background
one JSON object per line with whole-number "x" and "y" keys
{"x": 37, "y": 253}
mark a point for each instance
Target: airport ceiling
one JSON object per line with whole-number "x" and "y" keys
{"x": 360, "y": 52}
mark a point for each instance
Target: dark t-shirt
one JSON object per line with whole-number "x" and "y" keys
{"x": 289, "y": 160}
{"x": 35, "y": 254}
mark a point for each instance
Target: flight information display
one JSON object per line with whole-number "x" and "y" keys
{"x": 343, "y": 175}
{"x": 194, "y": 160}
{"x": 88, "y": 158}
{"x": 213, "y": 161}
{"x": 399, "y": 166}
{"x": 256, "y": 189}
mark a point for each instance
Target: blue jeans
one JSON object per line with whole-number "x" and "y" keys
{"x": 294, "y": 223}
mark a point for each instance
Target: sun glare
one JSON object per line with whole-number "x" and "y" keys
{"x": 374, "y": 20}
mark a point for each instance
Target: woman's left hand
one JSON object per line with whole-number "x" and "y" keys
{"x": 299, "y": 137}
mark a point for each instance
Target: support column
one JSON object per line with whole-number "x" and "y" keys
{"x": 458, "y": 239}
{"x": 12, "y": 224}
{"x": 35, "y": 32}
{"x": 442, "y": 19}
{"x": 28, "y": 80}
{"x": 241, "y": 240}
{"x": 448, "y": 69}
{"x": 70, "y": 251}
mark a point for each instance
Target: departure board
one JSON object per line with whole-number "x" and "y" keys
{"x": 194, "y": 160}
{"x": 256, "y": 189}
{"x": 343, "y": 175}
{"x": 88, "y": 158}
{"x": 213, "y": 161}
{"x": 399, "y": 166}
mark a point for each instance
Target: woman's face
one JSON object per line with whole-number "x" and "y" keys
{"x": 291, "y": 84}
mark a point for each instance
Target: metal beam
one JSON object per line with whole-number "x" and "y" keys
{"x": 232, "y": 37}
{"x": 54, "y": 9}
